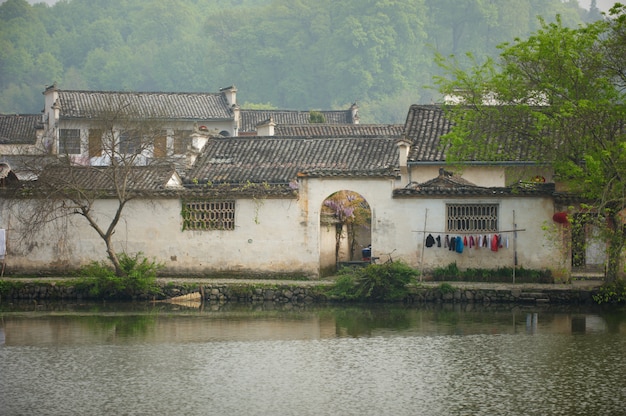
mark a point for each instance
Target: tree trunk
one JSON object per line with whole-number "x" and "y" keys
{"x": 615, "y": 248}
{"x": 119, "y": 271}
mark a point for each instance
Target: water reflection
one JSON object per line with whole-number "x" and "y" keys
{"x": 72, "y": 324}
{"x": 278, "y": 360}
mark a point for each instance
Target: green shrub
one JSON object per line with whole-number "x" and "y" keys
{"x": 450, "y": 272}
{"x": 503, "y": 274}
{"x": 374, "y": 283}
{"x": 614, "y": 292}
{"x": 140, "y": 279}
{"x": 446, "y": 288}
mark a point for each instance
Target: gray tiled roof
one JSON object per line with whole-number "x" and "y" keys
{"x": 311, "y": 130}
{"x": 19, "y": 128}
{"x": 251, "y": 118}
{"x": 139, "y": 178}
{"x": 281, "y": 160}
{"x": 456, "y": 186}
{"x": 425, "y": 124}
{"x": 25, "y": 167}
{"x": 157, "y": 105}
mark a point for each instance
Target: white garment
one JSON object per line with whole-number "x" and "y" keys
{"x": 3, "y": 243}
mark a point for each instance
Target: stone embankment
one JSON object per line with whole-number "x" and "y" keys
{"x": 298, "y": 292}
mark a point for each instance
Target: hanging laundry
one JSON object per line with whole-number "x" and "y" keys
{"x": 465, "y": 241}
{"x": 430, "y": 240}
{"x": 438, "y": 241}
{"x": 471, "y": 241}
{"x": 479, "y": 241}
{"x": 452, "y": 244}
{"x": 459, "y": 245}
{"x": 500, "y": 241}
{"x": 447, "y": 242}
{"x": 485, "y": 241}
{"x": 494, "y": 242}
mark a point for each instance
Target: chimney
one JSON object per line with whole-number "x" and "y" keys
{"x": 237, "y": 119}
{"x": 266, "y": 128}
{"x": 354, "y": 113}
{"x": 404, "y": 146}
{"x": 51, "y": 110}
{"x": 231, "y": 95}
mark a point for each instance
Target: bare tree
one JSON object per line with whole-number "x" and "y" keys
{"x": 111, "y": 156}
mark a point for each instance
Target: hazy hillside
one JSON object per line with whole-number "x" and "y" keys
{"x": 292, "y": 54}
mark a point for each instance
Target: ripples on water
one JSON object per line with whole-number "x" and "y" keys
{"x": 339, "y": 361}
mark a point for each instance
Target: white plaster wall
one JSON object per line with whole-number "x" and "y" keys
{"x": 269, "y": 237}
{"x": 488, "y": 176}
{"x": 536, "y": 247}
{"x": 482, "y": 175}
{"x": 284, "y": 235}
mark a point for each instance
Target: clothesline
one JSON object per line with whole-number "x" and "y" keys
{"x": 470, "y": 232}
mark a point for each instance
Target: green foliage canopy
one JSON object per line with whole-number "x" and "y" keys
{"x": 292, "y": 53}
{"x": 559, "y": 94}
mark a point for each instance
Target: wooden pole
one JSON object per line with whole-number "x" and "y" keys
{"x": 423, "y": 245}
{"x": 514, "y": 246}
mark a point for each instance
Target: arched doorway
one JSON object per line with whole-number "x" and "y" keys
{"x": 345, "y": 229}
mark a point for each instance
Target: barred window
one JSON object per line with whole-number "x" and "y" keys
{"x": 209, "y": 215}
{"x": 129, "y": 144}
{"x": 69, "y": 141}
{"x": 472, "y": 217}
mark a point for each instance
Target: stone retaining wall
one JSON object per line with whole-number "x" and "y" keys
{"x": 294, "y": 293}
{"x": 513, "y": 295}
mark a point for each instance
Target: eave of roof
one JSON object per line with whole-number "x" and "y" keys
{"x": 149, "y": 105}
{"x": 426, "y": 124}
{"x": 281, "y": 159}
{"x": 518, "y": 190}
{"x": 19, "y": 128}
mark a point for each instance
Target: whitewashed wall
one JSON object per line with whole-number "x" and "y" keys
{"x": 284, "y": 236}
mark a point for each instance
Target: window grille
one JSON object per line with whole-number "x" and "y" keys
{"x": 69, "y": 141}
{"x": 129, "y": 144}
{"x": 209, "y": 215}
{"x": 472, "y": 217}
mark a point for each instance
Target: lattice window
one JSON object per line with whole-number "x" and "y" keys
{"x": 129, "y": 144}
{"x": 69, "y": 141}
{"x": 209, "y": 215}
{"x": 472, "y": 217}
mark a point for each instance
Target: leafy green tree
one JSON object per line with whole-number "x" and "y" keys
{"x": 562, "y": 92}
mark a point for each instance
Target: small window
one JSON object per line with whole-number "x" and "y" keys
{"x": 209, "y": 215}
{"x": 69, "y": 141}
{"x": 95, "y": 142}
{"x": 472, "y": 217}
{"x": 129, "y": 144}
{"x": 160, "y": 145}
{"x": 182, "y": 140}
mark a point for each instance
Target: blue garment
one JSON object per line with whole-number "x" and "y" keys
{"x": 459, "y": 244}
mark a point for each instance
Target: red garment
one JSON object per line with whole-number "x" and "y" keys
{"x": 465, "y": 241}
{"x": 494, "y": 243}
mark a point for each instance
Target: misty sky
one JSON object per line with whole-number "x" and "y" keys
{"x": 603, "y": 5}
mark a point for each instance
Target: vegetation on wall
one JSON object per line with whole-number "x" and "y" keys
{"x": 452, "y": 273}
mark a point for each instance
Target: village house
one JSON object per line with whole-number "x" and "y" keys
{"x": 253, "y": 205}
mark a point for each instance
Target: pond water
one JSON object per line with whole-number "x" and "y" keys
{"x": 342, "y": 360}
